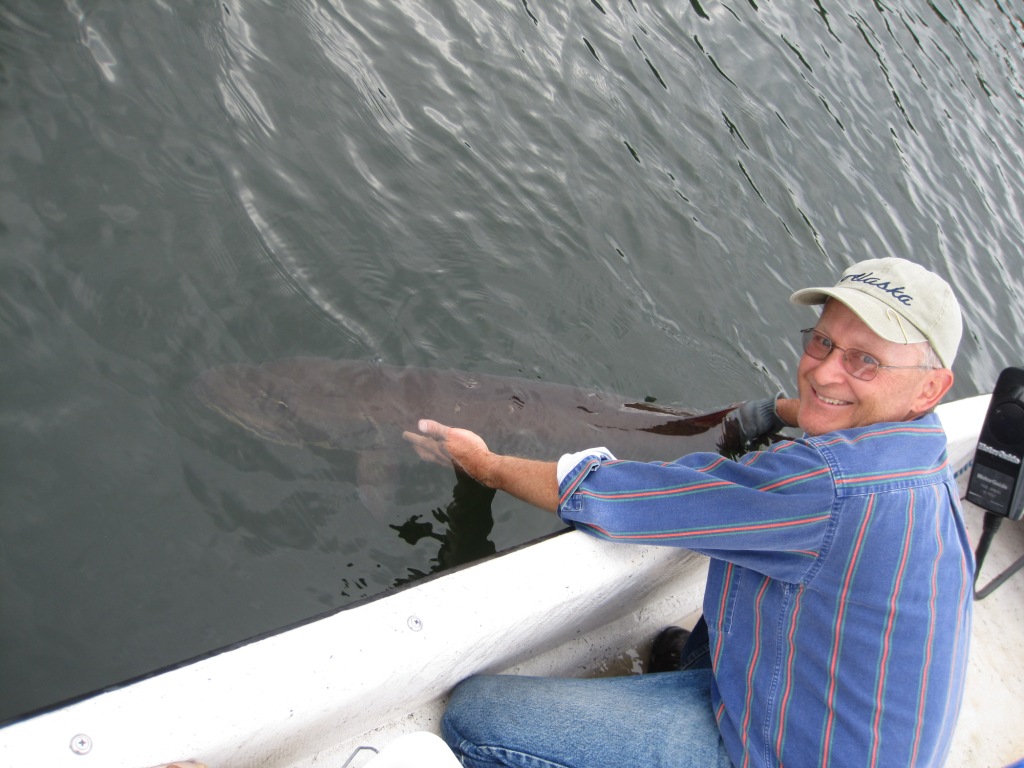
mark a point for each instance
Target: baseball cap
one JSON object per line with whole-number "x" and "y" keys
{"x": 900, "y": 301}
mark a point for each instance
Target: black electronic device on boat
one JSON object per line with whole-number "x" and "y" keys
{"x": 997, "y": 478}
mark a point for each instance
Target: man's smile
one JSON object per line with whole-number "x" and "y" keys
{"x": 829, "y": 400}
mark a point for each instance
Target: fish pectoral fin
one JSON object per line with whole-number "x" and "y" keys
{"x": 375, "y": 482}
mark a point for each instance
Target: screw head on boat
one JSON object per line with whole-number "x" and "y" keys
{"x": 81, "y": 744}
{"x": 415, "y": 623}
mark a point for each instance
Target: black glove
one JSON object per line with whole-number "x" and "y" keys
{"x": 749, "y": 426}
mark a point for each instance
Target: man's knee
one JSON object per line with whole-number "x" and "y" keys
{"x": 469, "y": 700}
{"x": 456, "y": 714}
{"x": 485, "y": 725}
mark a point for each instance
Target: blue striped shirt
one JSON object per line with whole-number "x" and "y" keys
{"x": 839, "y": 589}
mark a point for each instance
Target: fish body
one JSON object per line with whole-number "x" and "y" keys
{"x": 364, "y": 406}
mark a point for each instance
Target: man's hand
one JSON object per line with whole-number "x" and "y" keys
{"x": 451, "y": 446}
{"x": 751, "y": 425}
{"x": 535, "y": 482}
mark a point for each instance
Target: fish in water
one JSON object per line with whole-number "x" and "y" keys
{"x": 365, "y": 407}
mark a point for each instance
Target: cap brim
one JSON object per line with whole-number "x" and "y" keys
{"x": 879, "y": 317}
{"x": 810, "y": 296}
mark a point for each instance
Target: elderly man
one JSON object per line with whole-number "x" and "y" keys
{"x": 838, "y": 597}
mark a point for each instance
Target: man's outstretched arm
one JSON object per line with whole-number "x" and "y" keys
{"x": 535, "y": 482}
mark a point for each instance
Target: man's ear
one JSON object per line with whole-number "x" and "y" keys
{"x": 933, "y": 389}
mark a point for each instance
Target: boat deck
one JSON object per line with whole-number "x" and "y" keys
{"x": 990, "y": 733}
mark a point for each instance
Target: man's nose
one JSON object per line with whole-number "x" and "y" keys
{"x": 832, "y": 368}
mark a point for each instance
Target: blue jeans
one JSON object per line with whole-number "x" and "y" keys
{"x": 696, "y": 653}
{"x": 662, "y": 719}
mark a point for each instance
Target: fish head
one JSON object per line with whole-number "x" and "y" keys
{"x": 253, "y": 398}
{"x": 308, "y": 402}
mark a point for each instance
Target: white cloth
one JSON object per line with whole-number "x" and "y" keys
{"x": 419, "y": 749}
{"x": 568, "y": 462}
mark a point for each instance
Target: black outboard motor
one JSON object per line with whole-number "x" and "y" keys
{"x": 996, "y": 481}
{"x": 997, "y": 478}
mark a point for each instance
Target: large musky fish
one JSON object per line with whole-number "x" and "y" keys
{"x": 365, "y": 407}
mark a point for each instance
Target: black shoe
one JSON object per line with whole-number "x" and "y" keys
{"x": 667, "y": 650}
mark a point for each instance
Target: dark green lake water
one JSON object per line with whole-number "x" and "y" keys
{"x": 617, "y": 194}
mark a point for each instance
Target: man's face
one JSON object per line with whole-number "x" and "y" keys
{"x": 832, "y": 399}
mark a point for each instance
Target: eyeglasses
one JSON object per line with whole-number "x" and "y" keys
{"x": 857, "y": 363}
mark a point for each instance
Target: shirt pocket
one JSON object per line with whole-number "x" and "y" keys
{"x": 723, "y": 589}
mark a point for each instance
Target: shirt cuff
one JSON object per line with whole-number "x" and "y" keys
{"x": 570, "y": 461}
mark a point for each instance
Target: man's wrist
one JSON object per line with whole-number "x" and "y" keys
{"x": 488, "y": 469}
{"x": 787, "y": 409}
